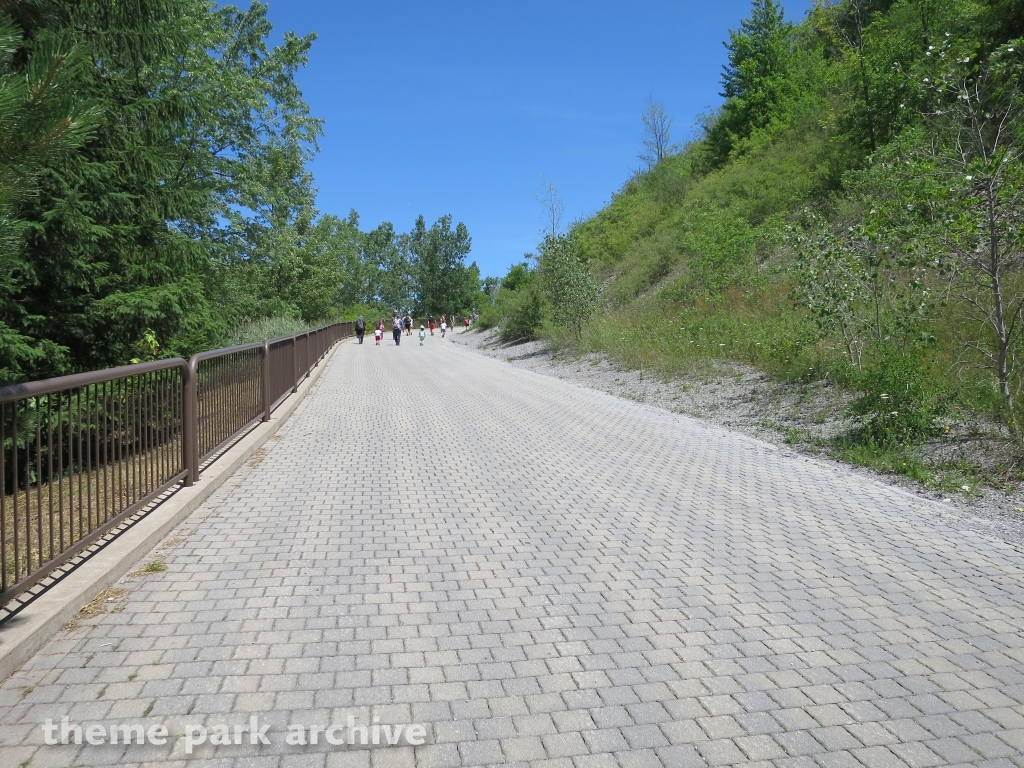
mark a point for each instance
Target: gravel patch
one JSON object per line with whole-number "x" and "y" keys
{"x": 797, "y": 417}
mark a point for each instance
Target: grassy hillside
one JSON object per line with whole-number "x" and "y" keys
{"x": 847, "y": 215}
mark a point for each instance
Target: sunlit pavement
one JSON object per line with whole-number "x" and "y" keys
{"x": 541, "y": 574}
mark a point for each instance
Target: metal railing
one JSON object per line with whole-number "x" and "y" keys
{"x": 79, "y": 454}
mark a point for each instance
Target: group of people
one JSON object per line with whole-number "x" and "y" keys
{"x": 405, "y": 323}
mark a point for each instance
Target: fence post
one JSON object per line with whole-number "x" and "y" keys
{"x": 295, "y": 363}
{"x": 190, "y": 422}
{"x": 265, "y": 381}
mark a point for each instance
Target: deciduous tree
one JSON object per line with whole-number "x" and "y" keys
{"x": 657, "y": 139}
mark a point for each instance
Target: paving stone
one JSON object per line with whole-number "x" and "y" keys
{"x": 549, "y": 577}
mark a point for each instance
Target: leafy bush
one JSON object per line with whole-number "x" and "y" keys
{"x": 566, "y": 280}
{"x": 899, "y": 404}
{"x": 523, "y": 315}
{"x": 517, "y": 307}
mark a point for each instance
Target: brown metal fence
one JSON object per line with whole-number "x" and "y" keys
{"x": 228, "y": 394}
{"x": 80, "y": 454}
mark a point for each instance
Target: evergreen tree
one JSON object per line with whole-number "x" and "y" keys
{"x": 42, "y": 119}
{"x": 755, "y": 81}
{"x": 194, "y": 175}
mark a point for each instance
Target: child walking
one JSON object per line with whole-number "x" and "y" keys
{"x": 423, "y": 335}
{"x": 444, "y": 326}
{"x": 378, "y": 334}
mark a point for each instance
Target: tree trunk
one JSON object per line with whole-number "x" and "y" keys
{"x": 999, "y": 307}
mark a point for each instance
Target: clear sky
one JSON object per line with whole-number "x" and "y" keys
{"x": 461, "y": 107}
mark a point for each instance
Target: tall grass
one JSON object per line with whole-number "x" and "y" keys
{"x": 267, "y": 328}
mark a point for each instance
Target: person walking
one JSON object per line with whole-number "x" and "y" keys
{"x": 378, "y": 332}
{"x": 407, "y": 321}
{"x": 360, "y": 328}
{"x": 423, "y": 335}
{"x": 396, "y": 327}
{"x": 444, "y": 325}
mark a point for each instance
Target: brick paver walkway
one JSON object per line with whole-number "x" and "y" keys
{"x": 546, "y": 576}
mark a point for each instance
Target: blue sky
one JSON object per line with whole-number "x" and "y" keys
{"x": 462, "y": 107}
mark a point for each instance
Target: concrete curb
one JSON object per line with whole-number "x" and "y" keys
{"x": 25, "y": 633}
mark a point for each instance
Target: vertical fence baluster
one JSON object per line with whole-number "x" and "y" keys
{"x": 14, "y": 440}
{"x": 150, "y": 469}
{"x": 108, "y": 428}
{"x": 143, "y": 435}
{"x": 97, "y": 457}
{"x": 49, "y": 474}
{"x": 39, "y": 485}
{"x": 164, "y": 378}
{"x": 60, "y": 465}
{"x": 4, "y": 547}
{"x": 76, "y": 491}
{"x": 132, "y": 435}
{"x": 120, "y": 467}
{"x": 126, "y": 447}
{"x": 159, "y": 427}
{"x": 168, "y": 425}
{"x": 88, "y": 453}
{"x": 148, "y": 427}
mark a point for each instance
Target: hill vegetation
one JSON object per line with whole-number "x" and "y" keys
{"x": 155, "y": 196}
{"x": 851, "y": 213}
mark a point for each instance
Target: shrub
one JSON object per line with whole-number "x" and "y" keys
{"x": 566, "y": 280}
{"x": 899, "y": 404}
{"x": 523, "y": 314}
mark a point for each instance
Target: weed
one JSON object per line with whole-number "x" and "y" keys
{"x": 894, "y": 460}
{"x": 102, "y": 692}
{"x": 149, "y": 708}
{"x": 132, "y": 676}
{"x": 156, "y": 566}
{"x": 898, "y": 402}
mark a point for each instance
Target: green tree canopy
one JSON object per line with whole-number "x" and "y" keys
{"x": 443, "y": 282}
{"x": 755, "y": 81}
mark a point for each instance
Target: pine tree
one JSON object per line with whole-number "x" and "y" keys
{"x": 41, "y": 120}
{"x": 194, "y": 174}
{"x": 755, "y": 80}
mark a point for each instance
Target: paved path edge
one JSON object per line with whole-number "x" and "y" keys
{"x": 25, "y": 633}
